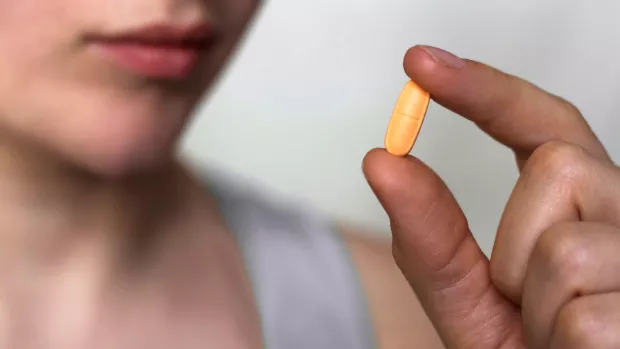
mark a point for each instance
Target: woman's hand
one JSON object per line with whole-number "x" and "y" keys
{"x": 553, "y": 280}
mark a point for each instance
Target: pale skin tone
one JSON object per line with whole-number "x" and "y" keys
{"x": 109, "y": 241}
{"x": 552, "y": 280}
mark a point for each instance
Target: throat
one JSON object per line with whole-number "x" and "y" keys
{"x": 185, "y": 286}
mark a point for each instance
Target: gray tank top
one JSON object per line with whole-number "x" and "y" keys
{"x": 306, "y": 287}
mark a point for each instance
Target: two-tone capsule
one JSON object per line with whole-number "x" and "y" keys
{"x": 407, "y": 119}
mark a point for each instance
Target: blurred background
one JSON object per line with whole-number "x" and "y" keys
{"x": 312, "y": 89}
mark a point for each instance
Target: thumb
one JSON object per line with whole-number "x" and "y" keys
{"x": 438, "y": 255}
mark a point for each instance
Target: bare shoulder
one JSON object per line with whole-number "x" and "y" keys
{"x": 398, "y": 317}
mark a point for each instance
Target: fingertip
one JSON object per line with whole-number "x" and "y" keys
{"x": 373, "y": 156}
{"x": 418, "y": 63}
{"x": 383, "y": 169}
{"x": 435, "y": 70}
{"x": 399, "y": 181}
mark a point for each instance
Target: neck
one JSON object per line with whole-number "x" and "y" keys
{"x": 49, "y": 208}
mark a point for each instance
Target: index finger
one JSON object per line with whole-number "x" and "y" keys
{"x": 513, "y": 111}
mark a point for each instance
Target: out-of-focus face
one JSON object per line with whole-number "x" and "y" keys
{"x": 109, "y": 84}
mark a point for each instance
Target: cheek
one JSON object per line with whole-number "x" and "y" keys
{"x": 233, "y": 13}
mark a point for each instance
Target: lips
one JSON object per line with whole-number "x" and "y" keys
{"x": 158, "y": 51}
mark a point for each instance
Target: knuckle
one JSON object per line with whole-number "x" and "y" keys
{"x": 578, "y": 325}
{"x": 562, "y": 255}
{"x": 569, "y": 107}
{"x": 561, "y": 161}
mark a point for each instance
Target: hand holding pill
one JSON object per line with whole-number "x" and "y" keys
{"x": 552, "y": 280}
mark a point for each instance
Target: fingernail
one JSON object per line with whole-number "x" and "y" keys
{"x": 444, "y": 57}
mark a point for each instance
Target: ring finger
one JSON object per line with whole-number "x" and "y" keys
{"x": 589, "y": 322}
{"x": 570, "y": 260}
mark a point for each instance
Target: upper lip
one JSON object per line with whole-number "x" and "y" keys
{"x": 198, "y": 34}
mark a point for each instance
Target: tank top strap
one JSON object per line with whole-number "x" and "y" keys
{"x": 306, "y": 287}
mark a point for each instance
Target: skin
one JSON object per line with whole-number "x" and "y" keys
{"x": 552, "y": 279}
{"x": 102, "y": 226}
{"x": 110, "y": 241}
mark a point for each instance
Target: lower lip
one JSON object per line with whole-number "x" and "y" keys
{"x": 150, "y": 60}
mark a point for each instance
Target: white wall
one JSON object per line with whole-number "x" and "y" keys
{"x": 312, "y": 89}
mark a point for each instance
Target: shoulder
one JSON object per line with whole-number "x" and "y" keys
{"x": 398, "y": 317}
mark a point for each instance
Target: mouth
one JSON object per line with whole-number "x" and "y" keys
{"x": 161, "y": 51}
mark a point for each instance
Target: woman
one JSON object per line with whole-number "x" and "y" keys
{"x": 110, "y": 241}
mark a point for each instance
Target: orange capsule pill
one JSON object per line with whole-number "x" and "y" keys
{"x": 407, "y": 119}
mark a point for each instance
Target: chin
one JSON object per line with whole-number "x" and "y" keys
{"x": 124, "y": 151}
{"x": 123, "y": 163}
{"x": 127, "y": 165}
{"x": 135, "y": 141}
